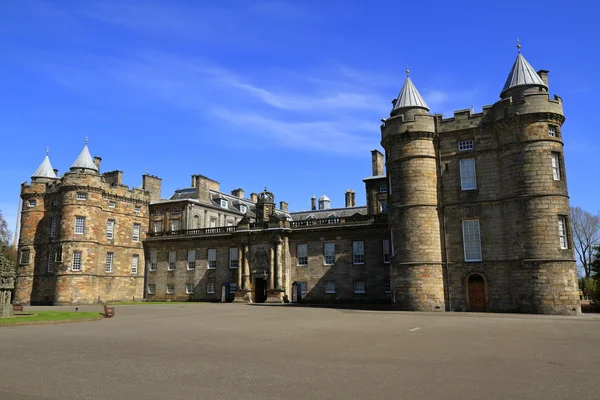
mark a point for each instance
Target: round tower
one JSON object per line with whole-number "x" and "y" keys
{"x": 528, "y": 125}
{"x": 408, "y": 137}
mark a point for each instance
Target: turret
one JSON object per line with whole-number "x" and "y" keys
{"x": 408, "y": 137}
{"x": 85, "y": 162}
{"x": 265, "y": 206}
{"x": 324, "y": 202}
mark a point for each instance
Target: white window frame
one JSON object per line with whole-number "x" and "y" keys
{"x": 82, "y": 196}
{"x": 135, "y": 262}
{"x": 563, "y": 235}
{"x": 233, "y": 258}
{"x": 77, "y": 261}
{"x": 32, "y": 203}
{"x": 329, "y": 259}
{"x": 135, "y": 234}
{"x": 556, "y": 166}
{"x": 358, "y": 252}
{"x": 212, "y": 258}
{"x": 465, "y": 145}
{"x": 50, "y": 262}
{"x": 79, "y": 225}
{"x": 383, "y": 188}
{"x": 170, "y": 288}
{"x": 243, "y": 208}
{"x": 386, "y": 251}
{"x": 187, "y": 288}
{"x": 224, "y": 203}
{"x": 137, "y": 209}
{"x": 211, "y": 288}
{"x": 153, "y": 260}
{"x": 112, "y": 204}
{"x": 172, "y": 260}
{"x": 157, "y": 224}
{"x": 302, "y": 255}
{"x": 387, "y": 286}
{"x": 360, "y": 287}
{"x": 471, "y": 233}
{"x": 108, "y": 266}
{"x": 53, "y": 224}
{"x": 329, "y": 287}
{"x": 468, "y": 174}
{"x": 151, "y": 288}
{"x": 191, "y": 259}
{"x": 176, "y": 211}
{"x": 551, "y": 131}
{"x": 110, "y": 229}
{"x": 175, "y": 222}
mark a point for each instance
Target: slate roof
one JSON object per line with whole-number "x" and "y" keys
{"x": 522, "y": 74}
{"x": 45, "y": 170}
{"x": 409, "y": 97}
{"x": 321, "y": 214}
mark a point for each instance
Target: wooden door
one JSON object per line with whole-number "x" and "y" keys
{"x": 476, "y": 293}
{"x": 260, "y": 287}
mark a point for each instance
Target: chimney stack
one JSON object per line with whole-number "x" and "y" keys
{"x": 97, "y": 161}
{"x": 56, "y": 172}
{"x": 377, "y": 162}
{"x": 543, "y": 74}
{"x": 239, "y": 192}
{"x": 283, "y": 206}
{"x": 254, "y": 197}
{"x": 313, "y": 203}
{"x": 350, "y": 198}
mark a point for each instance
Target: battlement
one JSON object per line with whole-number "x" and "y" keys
{"x": 410, "y": 121}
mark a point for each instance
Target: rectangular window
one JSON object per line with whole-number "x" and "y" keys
{"x": 157, "y": 226}
{"x": 359, "y": 287}
{"x": 112, "y": 204}
{"x": 109, "y": 262}
{"x": 58, "y": 254}
{"x": 170, "y": 288}
{"x": 383, "y": 207}
{"x": 330, "y": 287}
{"x": 153, "y": 260}
{"x": 556, "y": 166}
{"x": 110, "y": 229}
{"x": 50, "y": 262}
{"x": 32, "y": 203}
{"x": 562, "y": 232}
{"x": 79, "y": 225}
{"x": 136, "y": 233}
{"x": 212, "y": 258}
{"x": 386, "y": 251}
{"x": 53, "y": 223}
{"x": 213, "y": 222}
{"x": 329, "y": 253}
{"x": 76, "y": 265}
{"x": 25, "y": 256}
{"x": 465, "y": 145}
{"x": 175, "y": 225}
{"x": 151, "y": 288}
{"x": 81, "y": 196}
{"x": 137, "y": 209}
{"x": 172, "y": 260}
{"x": 135, "y": 259}
{"x": 189, "y": 288}
{"x": 210, "y": 288}
{"x": 383, "y": 188}
{"x": 468, "y": 178}
{"x": 224, "y": 203}
{"x": 191, "y": 259}
{"x": 358, "y": 252}
{"x": 158, "y": 212}
{"x": 302, "y": 250}
{"x": 551, "y": 131}
{"x": 233, "y": 257}
{"x": 387, "y": 286}
{"x": 243, "y": 209}
{"x": 471, "y": 240}
{"x": 176, "y": 211}
{"x": 304, "y": 288}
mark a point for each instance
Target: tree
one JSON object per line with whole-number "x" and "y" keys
{"x": 586, "y": 229}
{"x": 595, "y": 267}
{"x": 5, "y": 233}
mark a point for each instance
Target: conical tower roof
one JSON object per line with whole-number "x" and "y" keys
{"x": 522, "y": 74}
{"x": 45, "y": 170}
{"x": 85, "y": 160}
{"x": 409, "y": 97}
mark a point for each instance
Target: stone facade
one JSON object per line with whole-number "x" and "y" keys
{"x": 468, "y": 213}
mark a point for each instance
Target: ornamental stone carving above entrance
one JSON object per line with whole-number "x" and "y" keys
{"x": 7, "y": 284}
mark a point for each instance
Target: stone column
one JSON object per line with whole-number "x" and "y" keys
{"x": 240, "y": 268}
{"x": 246, "y": 267}
{"x": 279, "y": 267}
{"x": 271, "y": 267}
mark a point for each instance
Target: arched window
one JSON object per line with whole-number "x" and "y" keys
{"x": 196, "y": 222}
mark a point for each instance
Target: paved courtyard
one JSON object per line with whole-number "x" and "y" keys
{"x": 232, "y": 351}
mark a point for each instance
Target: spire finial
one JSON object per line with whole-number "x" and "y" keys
{"x": 47, "y": 150}
{"x": 518, "y": 45}
{"x": 86, "y": 140}
{"x": 407, "y": 71}
{"x": 146, "y": 170}
{"x": 265, "y": 188}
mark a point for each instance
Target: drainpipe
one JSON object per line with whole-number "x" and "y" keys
{"x": 443, "y": 218}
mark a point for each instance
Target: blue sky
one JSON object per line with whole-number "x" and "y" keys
{"x": 286, "y": 95}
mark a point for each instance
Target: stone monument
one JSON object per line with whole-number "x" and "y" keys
{"x": 7, "y": 284}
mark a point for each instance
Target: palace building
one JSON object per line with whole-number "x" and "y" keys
{"x": 468, "y": 213}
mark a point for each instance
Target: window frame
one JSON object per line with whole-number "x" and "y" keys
{"x": 325, "y": 256}
{"x": 31, "y": 203}
{"x": 173, "y": 222}
{"x": 211, "y": 261}
{"x": 81, "y": 225}
{"x": 50, "y": 262}
{"x": 80, "y": 265}
{"x": 364, "y": 287}
{"x": 151, "y": 289}
{"x": 556, "y": 169}
{"x": 387, "y": 286}
{"x": 209, "y": 285}
{"x": 233, "y": 262}
{"x": 153, "y": 260}
{"x": 243, "y": 209}
{"x": 108, "y": 262}
{"x": 135, "y": 265}
{"x": 563, "y": 232}
{"x": 111, "y": 230}
{"x": 112, "y": 204}
{"x": 156, "y": 224}
{"x": 187, "y": 287}
{"x": 383, "y": 188}
{"x": 136, "y": 237}
{"x": 53, "y": 226}
{"x": 386, "y": 260}
{"x": 383, "y": 207}
{"x": 191, "y": 261}
{"x": 464, "y": 224}
{"x": 24, "y": 260}
{"x": 300, "y": 258}
{"x": 465, "y": 145}
{"x": 357, "y": 258}
{"x": 328, "y": 290}
{"x": 172, "y": 263}
{"x": 552, "y": 131}
{"x": 463, "y": 169}
{"x": 81, "y": 196}
{"x": 137, "y": 209}
{"x": 170, "y": 288}
{"x": 224, "y": 203}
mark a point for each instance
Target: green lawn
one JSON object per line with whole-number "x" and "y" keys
{"x": 135, "y": 303}
{"x": 50, "y": 316}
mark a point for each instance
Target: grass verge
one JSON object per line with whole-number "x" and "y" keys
{"x": 136, "y": 303}
{"x": 47, "y": 316}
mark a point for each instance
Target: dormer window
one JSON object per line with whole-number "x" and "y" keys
{"x": 383, "y": 188}
{"x": 243, "y": 209}
{"x": 176, "y": 211}
{"x": 32, "y": 203}
{"x": 82, "y": 196}
{"x": 224, "y": 203}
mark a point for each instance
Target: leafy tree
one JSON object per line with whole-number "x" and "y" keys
{"x": 595, "y": 267}
{"x": 586, "y": 235}
{"x": 5, "y": 233}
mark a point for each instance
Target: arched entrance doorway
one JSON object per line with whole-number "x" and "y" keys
{"x": 476, "y": 293}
